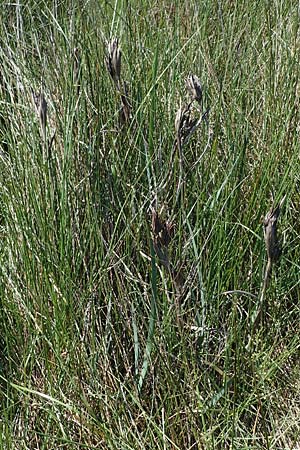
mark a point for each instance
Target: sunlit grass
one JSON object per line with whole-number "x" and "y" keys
{"x": 113, "y": 335}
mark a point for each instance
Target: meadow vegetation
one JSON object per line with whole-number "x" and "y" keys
{"x": 146, "y": 147}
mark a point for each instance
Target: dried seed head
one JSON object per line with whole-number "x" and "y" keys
{"x": 113, "y": 60}
{"x": 184, "y": 124}
{"x": 194, "y": 88}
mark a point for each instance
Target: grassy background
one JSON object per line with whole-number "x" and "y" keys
{"x": 98, "y": 347}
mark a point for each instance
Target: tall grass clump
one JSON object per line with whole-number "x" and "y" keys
{"x": 149, "y": 223}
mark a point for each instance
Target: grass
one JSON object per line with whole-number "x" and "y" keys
{"x": 103, "y": 343}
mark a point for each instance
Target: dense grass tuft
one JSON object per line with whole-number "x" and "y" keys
{"x": 134, "y": 308}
